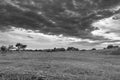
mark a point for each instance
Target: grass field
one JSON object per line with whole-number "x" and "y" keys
{"x": 81, "y": 65}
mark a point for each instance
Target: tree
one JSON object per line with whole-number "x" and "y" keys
{"x": 59, "y": 49}
{"x": 110, "y": 46}
{"x": 23, "y": 47}
{"x": 116, "y": 46}
{"x": 20, "y": 46}
{"x": 3, "y": 49}
{"x": 72, "y": 49}
{"x": 93, "y": 49}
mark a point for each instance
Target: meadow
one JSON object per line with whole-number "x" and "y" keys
{"x": 68, "y": 65}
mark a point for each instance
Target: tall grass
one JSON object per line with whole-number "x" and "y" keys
{"x": 18, "y": 76}
{"x": 116, "y": 52}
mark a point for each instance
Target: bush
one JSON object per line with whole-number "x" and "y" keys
{"x": 93, "y": 49}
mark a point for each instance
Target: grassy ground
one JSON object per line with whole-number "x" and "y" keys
{"x": 82, "y": 65}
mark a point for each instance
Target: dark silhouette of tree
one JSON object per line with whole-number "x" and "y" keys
{"x": 3, "y": 49}
{"x": 59, "y": 49}
{"x": 72, "y": 49}
{"x": 23, "y": 47}
{"x": 20, "y": 46}
{"x": 54, "y": 50}
{"x": 110, "y": 46}
{"x": 116, "y": 46}
{"x": 93, "y": 49}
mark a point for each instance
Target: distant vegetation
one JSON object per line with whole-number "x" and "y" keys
{"x": 22, "y": 47}
{"x": 61, "y": 49}
{"x": 112, "y": 46}
{"x": 18, "y": 47}
{"x": 72, "y": 49}
{"x": 93, "y": 49}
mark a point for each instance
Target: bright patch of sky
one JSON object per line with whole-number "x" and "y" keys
{"x": 108, "y": 28}
{"x": 37, "y": 40}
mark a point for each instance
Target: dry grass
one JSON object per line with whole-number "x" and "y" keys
{"x": 82, "y": 65}
{"x": 17, "y": 76}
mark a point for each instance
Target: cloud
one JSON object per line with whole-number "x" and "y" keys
{"x": 36, "y": 40}
{"x": 108, "y": 28}
{"x": 60, "y": 22}
{"x": 56, "y": 17}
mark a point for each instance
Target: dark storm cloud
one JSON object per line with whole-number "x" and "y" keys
{"x": 67, "y": 17}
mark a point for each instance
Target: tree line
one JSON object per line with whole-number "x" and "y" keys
{"x": 22, "y": 47}
{"x": 61, "y": 49}
{"x": 18, "y": 47}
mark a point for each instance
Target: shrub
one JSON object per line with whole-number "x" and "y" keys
{"x": 93, "y": 49}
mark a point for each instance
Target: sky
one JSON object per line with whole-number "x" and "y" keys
{"x": 42, "y": 24}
